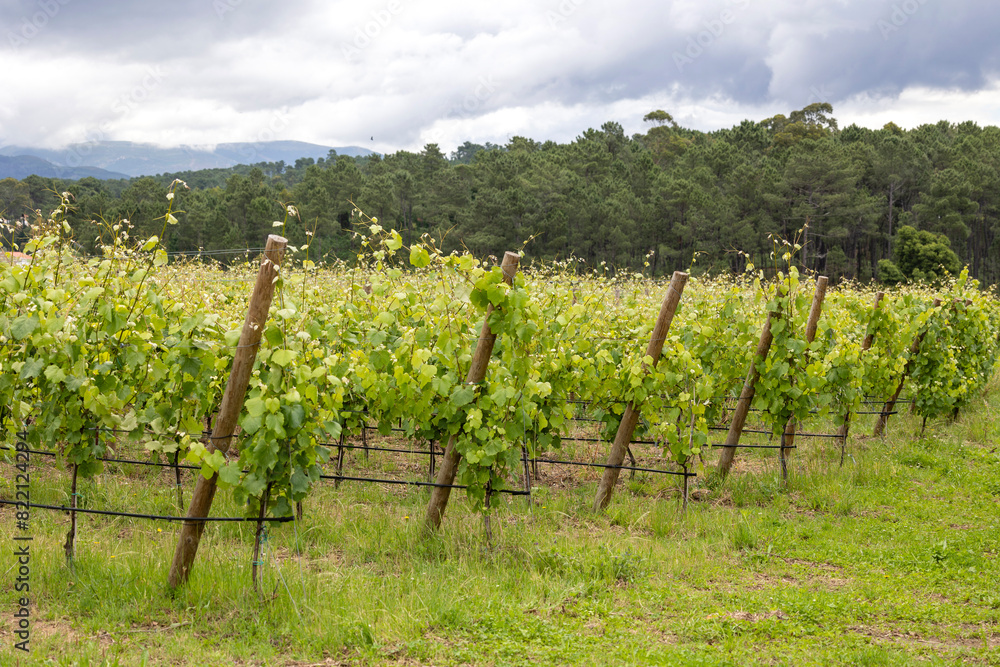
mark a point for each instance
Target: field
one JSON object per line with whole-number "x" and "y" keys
{"x": 891, "y": 560}
{"x": 111, "y": 363}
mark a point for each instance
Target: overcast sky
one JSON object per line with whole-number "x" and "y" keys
{"x": 397, "y": 74}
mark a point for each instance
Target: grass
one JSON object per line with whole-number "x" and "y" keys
{"x": 890, "y": 560}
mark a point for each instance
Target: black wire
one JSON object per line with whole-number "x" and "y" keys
{"x": 133, "y": 515}
{"x": 766, "y": 432}
{"x": 605, "y": 465}
{"x": 331, "y": 445}
{"x": 409, "y": 483}
{"x": 110, "y": 460}
{"x": 759, "y": 446}
{"x": 631, "y": 442}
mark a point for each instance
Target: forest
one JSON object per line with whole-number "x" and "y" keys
{"x": 888, "y": 204}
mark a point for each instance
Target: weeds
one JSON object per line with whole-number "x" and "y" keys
{"x": 892, "y": 559}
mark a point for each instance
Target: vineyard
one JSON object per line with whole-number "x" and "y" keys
{"x": 270, "y": 379}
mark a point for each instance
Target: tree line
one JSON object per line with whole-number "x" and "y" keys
{"x": 665, "y": 199}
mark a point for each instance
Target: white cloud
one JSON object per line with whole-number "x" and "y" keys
{"x": 920, "y": 105}
{"x": 405, "y": 72}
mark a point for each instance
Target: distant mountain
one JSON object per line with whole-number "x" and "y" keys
{"x": 22, "y": 166}
{"x": 133, "y": 159}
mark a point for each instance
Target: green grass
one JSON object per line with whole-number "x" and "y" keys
{"x": 890, "y": 560}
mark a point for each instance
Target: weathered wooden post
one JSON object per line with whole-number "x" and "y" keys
{"x": 890, "y": 405}
{"x": 788, "y": 437}
{"x": 631, "y": 416}
{"x": 476, "y": 374}
{"x": 229, "y": 410}
{"x": 865, "y": 346}
{"x": 746, "y": 398}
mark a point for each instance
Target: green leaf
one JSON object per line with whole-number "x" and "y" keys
{"x": 254, "y": 484}
{"x": 283, "y": 357}
{"x": 463, "y": 395}
{"x": 215, "y": 461}
{"x": 23, "y": 326}
{"x": 255, "y": 406}
{"x": 251, "y": 424}
{"x": 274, "y": 335}
{"x": 230, "y": 473}
{"x": 300, "y": 484}
{"x": 419, "y": 257}
{"x": 31, "y": 368}
{"x": 54, "y": 374}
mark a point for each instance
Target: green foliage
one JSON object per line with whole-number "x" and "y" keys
{"x": 923, "y": 256}
{"x": 811, "y": 122}
{"x": 889, "y": 273}
{"x": 649, "y": 202}
{"x": 111, "y": 344}
{"x": 958, "y": 351}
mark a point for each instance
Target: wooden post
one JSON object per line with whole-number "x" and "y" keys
{"x": 229, "y": 410}
{"x": 788, "y": 437}
{"x": 477, "y": 373}
{"x": 865, "y": 346}
{"x": 631, "y": 416}
{"x": 883, "y": 418}
{"x": 746, "y": 398}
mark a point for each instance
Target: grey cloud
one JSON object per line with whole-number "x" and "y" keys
{"x": 142, "y": 31}
{"x": 462, "y": 60}
{"x": 934, "y": 45}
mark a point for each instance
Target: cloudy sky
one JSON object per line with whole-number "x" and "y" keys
{"x": 397, "y": 74}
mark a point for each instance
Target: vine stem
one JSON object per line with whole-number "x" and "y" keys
{"x": 264, "y": 500}
{"x": 177, "y": 477}
{"x": 70, "y": 546}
